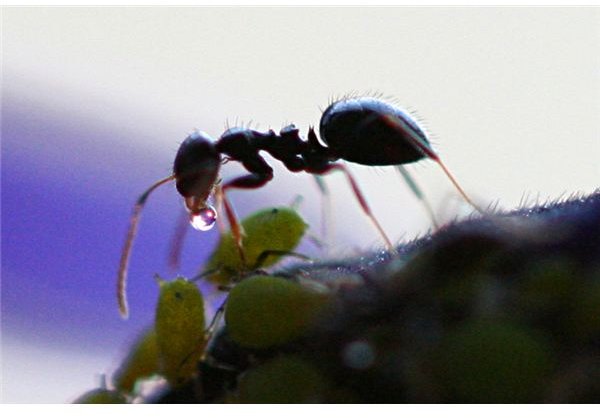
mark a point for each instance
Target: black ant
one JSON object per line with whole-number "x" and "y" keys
{"x": 362, "y": 130}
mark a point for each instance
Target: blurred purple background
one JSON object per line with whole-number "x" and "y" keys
{"x": 68, "y": 184}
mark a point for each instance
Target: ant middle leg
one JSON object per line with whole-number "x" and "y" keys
{"x": 361, "y": 200}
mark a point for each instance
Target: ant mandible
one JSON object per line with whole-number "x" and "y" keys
{"x": 363, "y": 130}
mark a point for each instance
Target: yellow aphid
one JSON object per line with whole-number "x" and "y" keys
{"x": 179, "y": 329}
{"x": 141, "y": 362}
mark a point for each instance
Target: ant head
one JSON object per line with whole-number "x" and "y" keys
{"x": 196, "y": 169}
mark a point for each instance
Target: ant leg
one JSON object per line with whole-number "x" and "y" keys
{"x": 126, "y": 253}
{"x": 460, "y": 189}
{"x": 423, "y": 146}
{"x": 219, "y": 208}
{"x": 260, "y": 174}
{"x": 236, "y": 228}
{"x": 326, "y": 218}
{"x": 363, "y": 202}
{"x": 414, "y": 187}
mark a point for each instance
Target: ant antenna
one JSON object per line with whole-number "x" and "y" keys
{"x": 125, "y": 255}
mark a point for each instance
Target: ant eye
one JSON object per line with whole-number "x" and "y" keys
{"x": 204, "y": 219}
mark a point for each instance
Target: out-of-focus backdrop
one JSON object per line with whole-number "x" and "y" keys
{"x": 96, "y": 100}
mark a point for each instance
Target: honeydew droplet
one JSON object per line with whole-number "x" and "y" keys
{"x": 205, "y": 219}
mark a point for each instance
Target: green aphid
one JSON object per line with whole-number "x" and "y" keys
{"x": 101, "y": 396}
{"x": 179, "y": 329}
{"x": 264, "y": 311}
{"x": 285, "y": 379}
{"x": 269, "y": 235}
{"x": 142, "y": 362}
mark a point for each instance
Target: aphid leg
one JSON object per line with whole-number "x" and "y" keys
{"x": 210, "y": 330}
{"x": 363, "y": 203}
{"x": 203, "y": 274}
{"x": 217, "y": 316}
{"x": 266, "y": 253}
{"x": 425, "y": 148}
{"x": 414, "y": 187}
{"x": 200, "y": 345}
{"x": 126, "y": 253}
{"x": 176, "y": 246}
{"x": 236, "y": 228}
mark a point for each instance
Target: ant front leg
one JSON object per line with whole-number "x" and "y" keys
{"x": 250, "y": 181}
{"x": 236, "y": 228}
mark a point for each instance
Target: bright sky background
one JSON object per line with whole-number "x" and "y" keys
{"x": 95, "y": 102}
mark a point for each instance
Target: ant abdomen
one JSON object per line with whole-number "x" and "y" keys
{"x": 369, "y": 131}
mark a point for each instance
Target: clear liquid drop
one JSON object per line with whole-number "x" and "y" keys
{"x": 204, "y": 219}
